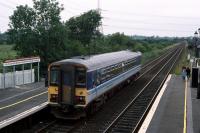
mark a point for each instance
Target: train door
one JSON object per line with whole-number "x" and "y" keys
{"x": 67, "y": 85}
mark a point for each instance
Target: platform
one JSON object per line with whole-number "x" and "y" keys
{"x": 16, "y": 101}
{"x": 175, "y": 110}
{"x": 195, "y": 111}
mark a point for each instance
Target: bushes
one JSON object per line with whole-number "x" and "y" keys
{"x": 6, "y": 52}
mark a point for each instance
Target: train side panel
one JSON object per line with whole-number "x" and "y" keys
{"x": 103, "y": 88}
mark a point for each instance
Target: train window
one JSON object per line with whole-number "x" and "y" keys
{"x": 103, "y": 71}
{"x": 80, "y": 77}
{"x": 98, "y": 77}
{"x": 116, "y": 66}
{"x": 54, "y": 77}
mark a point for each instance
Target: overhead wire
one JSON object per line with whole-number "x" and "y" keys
{"x": 12, "y": 2}
{"x": 148, "y": 15}
{"x": 79, "y": 5}
{"x": 6, "y": 6}
{"x": 145, "y": 21}
{"x": 135, "y": 21}
{"x": 144, "y": 29}
{"x": 75, "y": 7}
{"x": 75, "y": 10}
{"x": 4, "y": 17}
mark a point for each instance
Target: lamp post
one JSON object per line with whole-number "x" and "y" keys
{"x": 195, "y": 34}
{"x": 198, "y": 44}
{"x": 199, "y": 31}
{"x": 197, "y": 50}
{"x": 195, "y": 43}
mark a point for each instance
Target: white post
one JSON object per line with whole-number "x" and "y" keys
{"x": 31, "y": 73}
{"x": 4, "y": 77}
{"x": 14, "y": 75}
{"x": 38, "y": 71}
{"x": 23, "y": 72}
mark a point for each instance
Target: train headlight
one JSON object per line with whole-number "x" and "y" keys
{"x": 53, "y": 97}
{"x": 80, "y": 99}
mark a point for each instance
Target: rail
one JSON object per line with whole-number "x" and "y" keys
{"x": 124, "y": 117}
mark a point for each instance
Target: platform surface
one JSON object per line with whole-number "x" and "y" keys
{"x": 195, "y": 110}
{"x": 169, "y": 115}
{"x": 17, "y": 100}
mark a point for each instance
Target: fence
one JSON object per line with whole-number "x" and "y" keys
{"x": 12, "y": 79}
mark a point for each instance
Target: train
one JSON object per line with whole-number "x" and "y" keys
{"x": 81, "y": 84}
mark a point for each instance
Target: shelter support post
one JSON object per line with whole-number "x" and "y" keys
{"x": 23, "y": 72}
{"x": 31, "y": 72}
{"x": 4, "y": 77}
{"x": 38, "y": 71}
{"x": 14, "y": 77}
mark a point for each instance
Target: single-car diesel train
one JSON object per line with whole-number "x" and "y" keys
{"x": 81, "y": 84}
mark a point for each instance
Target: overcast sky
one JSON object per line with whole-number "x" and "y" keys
{"x": 133, "y": 17}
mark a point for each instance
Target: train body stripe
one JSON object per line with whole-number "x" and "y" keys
{"x": 101, "y": 89}
{"x": 115, "y": 78}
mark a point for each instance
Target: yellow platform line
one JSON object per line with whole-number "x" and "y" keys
{"x": 185, "y": 109}
{"x": 22, "y": 101}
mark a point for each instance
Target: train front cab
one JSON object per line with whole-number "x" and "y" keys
{"x": 67, "y": 89}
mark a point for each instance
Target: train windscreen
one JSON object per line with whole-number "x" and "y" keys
{"x": 80, "y": 77}
{"x": 54, "y": 73}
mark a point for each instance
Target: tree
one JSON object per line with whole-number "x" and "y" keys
{"x": 120, "y": 39}
{"x": 84, "y": 27}
{"x": 39, "y": 30}
{"x": 3, "y": 38}
{"x": 21, "y": 29}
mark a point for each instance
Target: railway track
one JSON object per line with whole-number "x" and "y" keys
{"x": 58, "y": 126}
{"x": 103, "y": 118}
{"x": 131, "y": 117}
{"x": 149, "y": 64}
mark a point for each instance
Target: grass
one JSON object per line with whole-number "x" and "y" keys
{"x": 152, "y": 54}
{"x": 6, "y": 52}
{"x": 182, "y": 62}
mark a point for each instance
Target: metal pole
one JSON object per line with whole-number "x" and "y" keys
{"x": 31, "y": 72}
{"x": 14, "y": 75}
{"x": 38, "y": 71}
{"x": 23, "y": 72}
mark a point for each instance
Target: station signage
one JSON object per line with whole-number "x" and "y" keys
{"x": 21, "y": 61}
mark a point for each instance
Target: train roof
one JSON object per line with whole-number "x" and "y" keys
{"x": 100, "y": 60}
